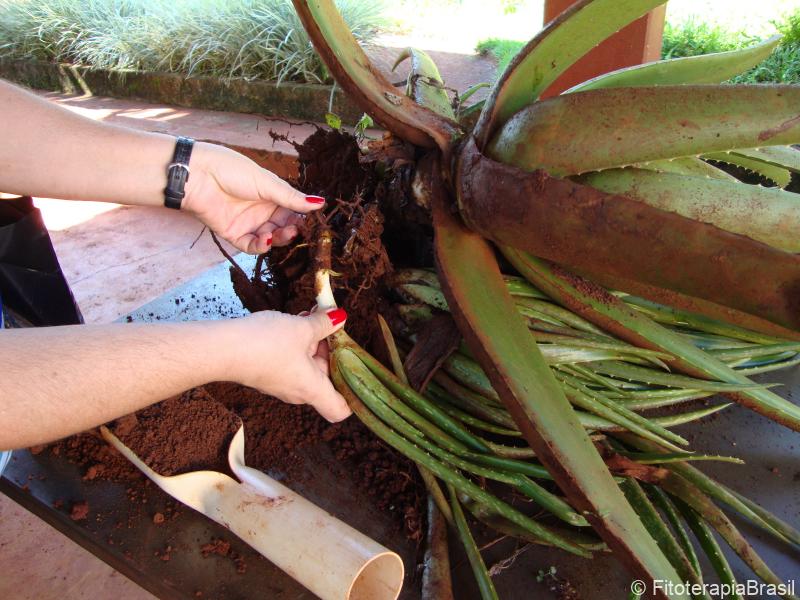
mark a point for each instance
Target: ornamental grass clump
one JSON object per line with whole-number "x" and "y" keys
{"x": 252, "y": 39}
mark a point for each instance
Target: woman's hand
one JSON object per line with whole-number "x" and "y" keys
{"x": 287, "y": 356}
{"x": 250, "y": 207}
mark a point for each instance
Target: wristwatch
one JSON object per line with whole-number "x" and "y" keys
{"x": 178, "y": 173}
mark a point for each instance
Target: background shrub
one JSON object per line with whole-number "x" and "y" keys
{"x": 253, "y": 39}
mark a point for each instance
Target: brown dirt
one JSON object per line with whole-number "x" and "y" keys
{"x": 221, "y": 547}
{"x": 79, "y": 511}
{"x": 91, "y": 452}
{"x": 276, "y": 434}
{"x": 360, "y": 184}
{"x": 190, "y": 432}
{"x": 193, "y": 431}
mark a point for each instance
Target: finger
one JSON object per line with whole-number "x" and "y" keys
{"x": 283, "y": 217}
{"x": 326, "y": 400}
{"x": 324, "y": 323}
{"x": 253, "y": 244}
{"x": 272, "y": 188}
{"x": 284, "y": 235}
{"x": 323, "y": 365}
{"x": 323, "y": 350}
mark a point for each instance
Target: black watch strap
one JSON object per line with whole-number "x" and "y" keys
{"x": 178, "y": 173}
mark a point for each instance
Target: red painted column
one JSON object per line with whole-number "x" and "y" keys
{"x": 638, "y": 43}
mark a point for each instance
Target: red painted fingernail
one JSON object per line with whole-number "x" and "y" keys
{"x": 337, "y": 315}
{"x": 268, "y": 239}
{"x": 315, "y": 199}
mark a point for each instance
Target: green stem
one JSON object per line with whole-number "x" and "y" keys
{"x": 659, "y": 530}
{"x": 679, "y": 487}
{"x": 482, "y": 577}
{"x": 663, "y": 502}
{"x": 364, "y": 384}
{"x": 418, "y": 402}
{"x": 720, "y": 492}
{"x": 710, "y": 546}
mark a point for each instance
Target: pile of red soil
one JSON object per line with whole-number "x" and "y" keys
{"x": 276, "y": 434}
{"x": 193, "y": 431}
{"x": 190, "y": 432}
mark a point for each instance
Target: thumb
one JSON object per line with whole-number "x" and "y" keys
{"x": 326, "y": 400}
{"x": 324, "y": 323}
{"x": 272, "y": 188}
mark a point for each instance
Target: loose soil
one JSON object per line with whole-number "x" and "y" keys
{"x": 373, "y": 224}
{"x": 190, "y": 432}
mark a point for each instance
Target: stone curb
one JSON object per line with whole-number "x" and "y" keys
{"x": 304, "y": 101}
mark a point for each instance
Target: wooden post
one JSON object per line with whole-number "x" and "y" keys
{"x": 638, "y": 43}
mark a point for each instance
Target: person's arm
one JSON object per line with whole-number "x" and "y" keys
{"x": 57, "y": 381}
{"x": 51, "y": 152}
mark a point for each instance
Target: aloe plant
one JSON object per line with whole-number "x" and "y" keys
{"x": 562, "y": 179}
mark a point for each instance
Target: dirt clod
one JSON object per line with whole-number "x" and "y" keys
{"x": 79, "y": 511}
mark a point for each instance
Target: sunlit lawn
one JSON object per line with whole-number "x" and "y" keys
{"x": 458, "y": 25}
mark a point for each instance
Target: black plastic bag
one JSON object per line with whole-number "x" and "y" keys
{"x": 31, "y": 282}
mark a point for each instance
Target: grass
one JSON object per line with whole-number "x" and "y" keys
{"x": 252, "y": 39}
{"x": 692, "y": 37}
{"x": 501, "y": 50}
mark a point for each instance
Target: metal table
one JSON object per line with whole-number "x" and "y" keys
{"x": 123, "y": 534}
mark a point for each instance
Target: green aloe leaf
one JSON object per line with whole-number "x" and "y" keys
{"x": 706, "y": 68}
{"x": 721, "y": 493}
{"x": 594, "y": 423}
{"x": 672, "y": 316}
{"x": 686, "y": 165}
{"x": 496, "y": 521}
{"x": 441, "y": 470}
{"x": 678, "y": 487}
{"x": 779, "y": 156}
{"x": 611, "y": 236}
{"x": 364, "y": 84}
{"x": 415, "y": 428}
{"x": 653, "y": 377}
{"x": 659, "y": 530}
{"x": 608, "y": 312}
{"x": 662, "y": 501}
{"x": 499, "y": 338}
{"x": 472, "y": 90}
{"x": 425, "y": 84}
{"x": 768, "y": 215}
{"x": 694, "y": 305}
{"x": 657, "y": 458}
{"x": 556, "y": 48}
{"x": 603, "y": 129}
{"x": 485, "y": 584}
{"x": 709, "y": 544}
{"x": 778, "y": 175}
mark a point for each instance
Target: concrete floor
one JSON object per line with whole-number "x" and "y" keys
{"x": 117, "y": 258}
